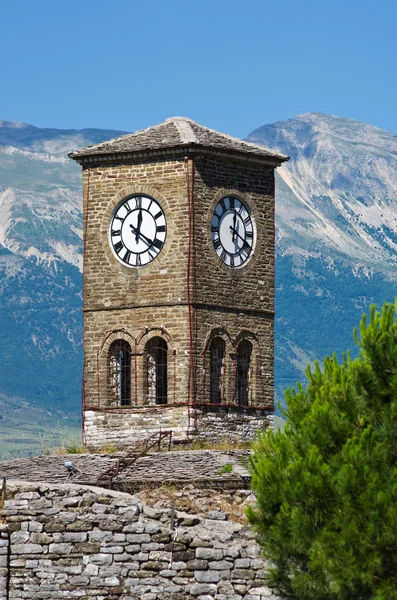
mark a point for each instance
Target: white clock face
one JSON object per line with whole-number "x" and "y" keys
{"x": 233, "y": 231}
{"x": 137, "y": 230}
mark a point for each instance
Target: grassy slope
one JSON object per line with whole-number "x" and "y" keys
{"x": 28, "y": 430}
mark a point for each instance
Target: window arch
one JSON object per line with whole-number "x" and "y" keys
{"x": 217, "y": 364}
{"x": 244, "y": 367}
{"x": 156, "y": 370}
{"x": 119, "y": 372}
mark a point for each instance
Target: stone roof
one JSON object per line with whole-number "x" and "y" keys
{"x": 177, "y": 132}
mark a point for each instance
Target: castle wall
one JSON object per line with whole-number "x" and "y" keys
{"x": 71, "y": 541}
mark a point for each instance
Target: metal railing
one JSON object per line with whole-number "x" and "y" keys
{"x": 106, "y": 478}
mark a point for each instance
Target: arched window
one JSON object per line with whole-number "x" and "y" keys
{"x": 120, "y": 372}
{"x": 156, "y": 370}
{"x": 217, "y": 360}
{"x": 244, "y": 354}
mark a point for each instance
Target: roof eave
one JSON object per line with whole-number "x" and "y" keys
{"x": 267, "y": 159}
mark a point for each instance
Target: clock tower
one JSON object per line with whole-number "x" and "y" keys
{"x": 178, "y": 285}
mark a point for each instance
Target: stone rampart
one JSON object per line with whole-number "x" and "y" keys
{"x": 74, "y": 541}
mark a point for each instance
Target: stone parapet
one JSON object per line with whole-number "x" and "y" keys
{"x": 75, "y": 541}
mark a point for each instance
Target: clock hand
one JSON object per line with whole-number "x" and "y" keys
{"x": 139, "y": 223}
{"x": 234, "y": 226}
{"x": 147, "y": 240}
{"x": 240, "y": 236}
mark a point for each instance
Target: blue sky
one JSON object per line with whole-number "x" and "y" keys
{"x": 231, "y": 65}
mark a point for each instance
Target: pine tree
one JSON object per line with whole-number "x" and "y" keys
{"x": 326, "y": 487}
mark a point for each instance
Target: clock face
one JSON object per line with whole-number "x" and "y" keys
{"x": 233, "y": 231}
{"x": 137, "y": 230}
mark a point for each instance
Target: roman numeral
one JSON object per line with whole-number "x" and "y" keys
{"x": 231, "y": 260}
{"x": 151, "y": 256}
{"x": 223, "y": 255}
{"x": 222, "y": 203}
{"x": 150, "y": 204}
{"x": 138, "y": 260}
{"x": 249, "y": 234}
{"x": 161, "y": 228}
{"x": 240, "y": 210}
{"x": 246, "y": 248}
{"x": 127, "y": 207}
{"x": 158, "y": 215}
{"x": 214, "y": 228}
{"x": 116, "y": 232}
{"x": 231, "y": 200}
{"x": 119, "y": 246}
{"x": 247, "y": 220}
{"x": 158, "y": 243}
{"x": 119, "y": 218}
{"x": 127, "y": 256}
{"x": 138, "y": 202}
{"x": 217, "y": 243}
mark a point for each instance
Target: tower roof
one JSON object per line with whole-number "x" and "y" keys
{"x": 176, "y": 132}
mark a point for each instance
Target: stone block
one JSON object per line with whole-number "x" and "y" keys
{"x": 209, "y": 553}
{"x": 197, "y": 565}
{"x": 26, "y": 549}
{"x": 41, "y": 538}
{"x": 19, "y": 537}
{"x": 198, "y": 589}
{"x": 62, "y": 548}
{"x": 136, "y": 527}
{"x": 220, "y": 565}
{"x": 262, "y": 592}
{"x": 138, "y": 538}
{"x": 112, "y": 549}
{"x": 101, "y": 559}
{"x": 243, "y": 574}
{"x": 207, "y": 576}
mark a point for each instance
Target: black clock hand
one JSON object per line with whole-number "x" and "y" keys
{"x": 240, "y": 236}
{"x": 147, "y": 240}
{"x": 139, "y": 223}
{"x": 234, "y": 226}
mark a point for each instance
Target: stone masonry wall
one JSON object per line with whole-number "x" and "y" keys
{"x": 4, "y": 560}
{"x": 239, "y": 424}
{"x": 70, "y": 541}
{"x": 136, "y": 304}
{"x": 126, "y": 427}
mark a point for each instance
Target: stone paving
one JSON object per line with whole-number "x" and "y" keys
{"x": 198, "y": 466}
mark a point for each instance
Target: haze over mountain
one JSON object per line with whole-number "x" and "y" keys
{"x": 336, "y": 253}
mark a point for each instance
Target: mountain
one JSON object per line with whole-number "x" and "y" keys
{"x": 40, "y": 282}
{"x": 336, "y": 237}
{"x": 336, "y": 253}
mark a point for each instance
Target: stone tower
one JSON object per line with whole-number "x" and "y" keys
{"x": 178, "y": 284}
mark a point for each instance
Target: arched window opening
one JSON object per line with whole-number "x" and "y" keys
{"x": 244, "y": 355}
{"x": 217, "y": 363}
{"x": 156, "y": 370}
{"x": 120, "y": 372}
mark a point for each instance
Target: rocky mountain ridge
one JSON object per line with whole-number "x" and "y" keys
{"x": 336, "y": 217}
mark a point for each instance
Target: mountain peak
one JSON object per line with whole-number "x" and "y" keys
{"x": 14, "y": 124}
